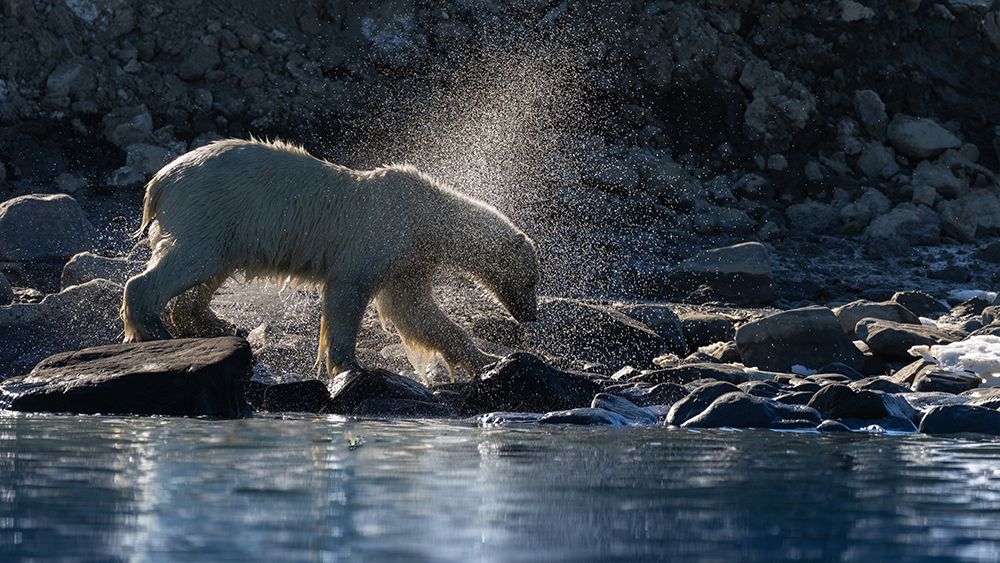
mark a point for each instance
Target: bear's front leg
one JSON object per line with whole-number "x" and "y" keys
{"x": 343, "y": 305}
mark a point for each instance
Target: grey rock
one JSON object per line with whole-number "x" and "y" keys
{"x": 988, "y": 397}
{"x": 920, "y": 137}
{"x": 740, "y": 274}
{"x": 662, "y": 320}
{"x": 857, "y": 215}
{"x": 871, "y": 112}
{"x": 128, "y": 125}
{"x": 375, "y": 393}
{"x": 703, "y": 329}
{"x": 811, "y": 217}
{"x": 687, "y": 373}
{"x": 649, "y": 395}
{"x": 892, "y": 341}
{"x": 81, "y": 316}
{"x": 87, "y": 266}
{"x": 877, "y": 161}
{"x": 43, "y": 227}
{"x": 586, "y": 416}
{"x": 739, "y": 410}
{"x": 848, "y": 315}
{"x": 147, "y": 159}
{"x": 903, "y": 227}
{"x": 810, "y": 336}
{"x": 185, "y": 377}
{"x": 199, "y": 60}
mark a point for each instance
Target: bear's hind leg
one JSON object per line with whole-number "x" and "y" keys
{"x": 191, "y": 315}
{"x": 146, "y": 294}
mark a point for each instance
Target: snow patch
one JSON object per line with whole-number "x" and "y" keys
{"x": 964, "y": 294}
{"x": 978, "y": 354}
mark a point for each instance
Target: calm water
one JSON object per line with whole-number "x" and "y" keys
{"x": 95, "y": 488}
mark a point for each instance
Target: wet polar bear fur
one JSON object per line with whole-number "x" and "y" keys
{"x": 270, "y": 209}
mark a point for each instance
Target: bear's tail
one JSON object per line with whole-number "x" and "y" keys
{"x": 149, "y": 203}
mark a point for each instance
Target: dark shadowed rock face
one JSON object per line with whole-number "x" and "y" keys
{"x": 702, "y": 329}
{"x": 739, "y": 410}
{"x": 523, "y": 382}
{"x": 697, "y": 401}
{"x": 920, "y": 303}
{"x": 308, "y": 395}
{"x": 810, "y": 336}
{"x": 185, "y": 377}
{"x": 840, "y": 401}
{"x": 382, "y": 393}
{"x": 953, "y": 419}
{"x": 693, "y": 372}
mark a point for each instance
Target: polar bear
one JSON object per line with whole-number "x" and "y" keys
{"x": 270, "y": 209}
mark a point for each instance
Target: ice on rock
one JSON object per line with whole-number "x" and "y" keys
{"x": 978, "y": 354}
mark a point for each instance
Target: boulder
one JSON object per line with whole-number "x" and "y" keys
{"x": 380, "y": 393}
{"x": 87, "y": 266}
{"x": 954, "y": 419}
{"x": 587, "y": 416}
{"x": 988, "y": 397}
{"x": 740, "y": 410}
{"x": 78, "y": 317}
{"x": 972, "y": 215}
{"x": 920, "y": 303}
{"x": 634, "y": 414}
{"x": 892, "y": 341}
{"x": 920, "y": 137}
{"x": 810, "y": 336}
{"x": 522, "y": 382}
{"x": 841, "y": 401}
{"x": 568, "y": 328}
{"x": 128, "y": 125}
{"x": 883, "y": 384}
{"x": 848, "y": 315}
{"x": 810, "y": 216}
{"x": 740, "y": 274}
{"x": 43, "y": 227}
{"x": 184, "y": 377}
{"x": 697, "y": 401}
{"x": 878, "y": 161}
{"x": 649, "y": 395}
{"x": 857, "y": 215}
{"x": 271, "y": 391}
{"x": 906, "y": 225}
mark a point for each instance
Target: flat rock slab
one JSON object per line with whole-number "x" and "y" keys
{"x": 848, "y": 315}
{"x": 184, "y": 377}
{"x": 810, "y": 336}
{"x": 522, "y": 382}
{"x": 382, "y": 393}
{"x": 892, "y": 341}
{"x": 693, "y": 372}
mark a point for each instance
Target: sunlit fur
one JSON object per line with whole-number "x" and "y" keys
{"x": 269, "y": 209}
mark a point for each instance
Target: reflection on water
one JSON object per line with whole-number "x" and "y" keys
{"x": 95, "y": 488}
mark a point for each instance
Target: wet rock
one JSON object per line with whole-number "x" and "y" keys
{"x": 649, "y": 395}
{"x": 739, "y": 274}
{"x": 661, "y": 320}
{"x": 920, "y": 303}
{"x": 739, "y": 410}
{"x": 572, "y": 329}
{"x": 810, "y": 336}
{"x": 310, "y": 395}
{"x": 832, "y": 426}
{"x": 841, "y": 369}
{"x": 920, "y": 137}
{"x": 402, "y": 408}
{"x": 86, "y": 266}
{"x": 974, "y": 306}
{"x": 6, "y": 291}
{"x": 703, "y": 329}
{"x": 375, "y": 393}
{"x": 955, "y": 419}
{"x": 892, "y": 341}
{"x": 840, "y": 401}
{"x": 43, "y": 227}
{"x": 585, "y": 416}
{"x": 697, "y": 401}
{"x": 871, "y": 113}
{"x": 693, "y": 372}
{"x": 185, "y": 377}
{"x": 632, "y": 413}
{"x": 848, "y": 315}
{"x": 795, "y": 397}
{"x": 824, "y": 378}
{"x": 507, "y": 418}
{"x": 81, "y": 316}
{"x": 522, "y": 382}
{"x": 760, "y": 389}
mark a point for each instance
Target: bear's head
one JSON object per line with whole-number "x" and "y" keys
{"x": 513, "y": 277}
